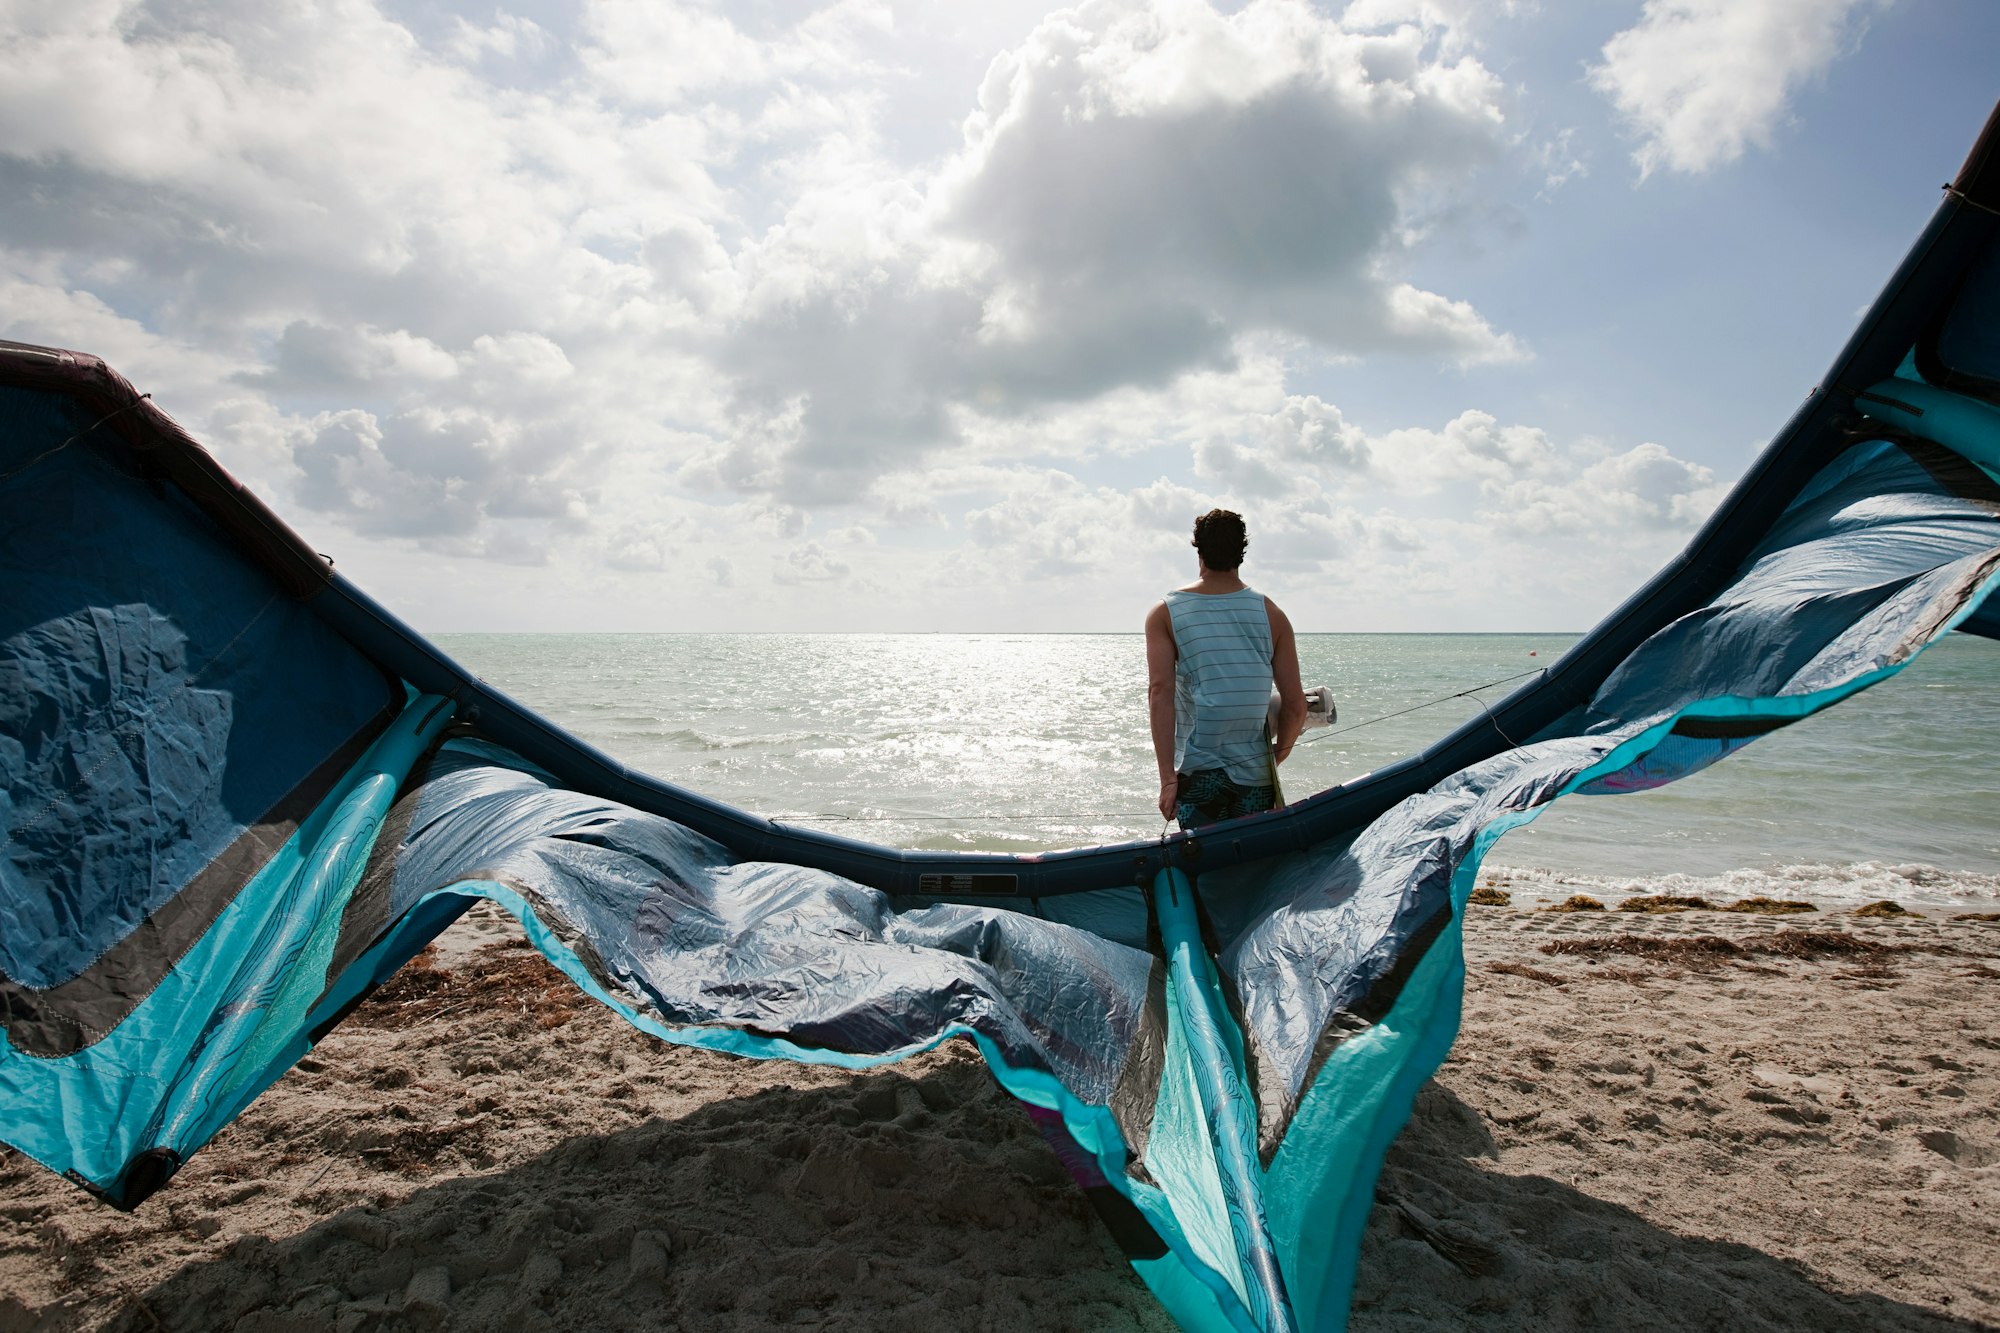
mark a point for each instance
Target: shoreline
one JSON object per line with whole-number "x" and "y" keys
{"x": 1655, "y": 1134}
{"x": 1832, "y": 889}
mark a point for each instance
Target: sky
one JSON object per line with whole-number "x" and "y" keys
{"x": 637, "y": 315}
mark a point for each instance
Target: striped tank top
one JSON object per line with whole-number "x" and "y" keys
{"x": 1222, "y": 683}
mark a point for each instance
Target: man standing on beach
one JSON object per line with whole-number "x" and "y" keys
{"x": 1213, "y": 650}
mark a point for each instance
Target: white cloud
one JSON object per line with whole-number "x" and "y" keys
{"x": 668, "y": 53}
{"x": 1142, "y": 188}
{"x": 1645, "y": 488}
{"x": 1700, "y": 81}
{"x": 1170, "y": 175}
{"x": 810, "y": 563}
{"x": 1304, "y": 442}
{"x": 640, "y": 549}
{"x": 655, "y": 305}
{"x": 1485, "y": 523}
{"x": 315, "y": 358}
{"x": 422, "y": 473}
{"x": 1560, "y": 160}
{"x": 508, "y": 37}
{"x": 1472, "y": 447}
{"x": 1460, "y": 21}
{"x": 36, "y": 306}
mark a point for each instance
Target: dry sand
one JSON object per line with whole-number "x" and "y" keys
{"x": 1657, "y": 1133}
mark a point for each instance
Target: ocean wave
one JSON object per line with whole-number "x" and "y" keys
{"x": 1855, "y": 882}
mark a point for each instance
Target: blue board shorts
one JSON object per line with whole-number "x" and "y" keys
{"x": 1211, "y": 796}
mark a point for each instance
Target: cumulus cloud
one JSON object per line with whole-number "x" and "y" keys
{"x": 1645, "y": 488}
{"x": 810, "y": 563}
{"x": 1472, "y": 447}
{"x": 1700, "y": 81}
{"x": 246, "y": 159}
{"x": 1305, "y": 440}
{"x": 1309, "y": 444}
{"x": 1178, "y": 171}
{"x": 640, "y": 549}
{"x": 652, "y": 291}
{"x": 314, "y": 358}
{"x": 1461, "y": 21}
{"x": 1142, "y": 187}
{"x": 509, "y": 37}
{"x": 37, "y": 306}
{"x": 1490, "y": 522}
{"x": 664, "y": 54}
{"x": 433, "y": 472}
{"x": 348, "y": 469}
{"x": 430, "y": 288}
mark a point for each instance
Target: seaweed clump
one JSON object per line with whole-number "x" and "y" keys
{"x": 506, "y": 977}
{"x": 1692, "y": 950}
{"x": 1823, "y": 944}
{"x": 1488, "y": 896}
{"x": 1887, "y": 908}
{"x": 1762, "y": 906}
{"x": 1656, "y": 903}
{"x": 1977, "y": 916}
{"x": 1578, "y": 902}
{"x": 1709, "y": 950}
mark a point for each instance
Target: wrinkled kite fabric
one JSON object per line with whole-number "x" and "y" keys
{"x": 236, "y": 796}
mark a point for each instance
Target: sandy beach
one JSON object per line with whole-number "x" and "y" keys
{"x": 1688, "y": 1120}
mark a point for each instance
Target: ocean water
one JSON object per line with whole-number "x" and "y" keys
{"x": 1021, "y": 742}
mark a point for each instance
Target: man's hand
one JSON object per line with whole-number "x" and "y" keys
{"x": 1170, "y": 790}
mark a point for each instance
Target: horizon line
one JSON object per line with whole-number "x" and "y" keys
{"x": 1040, "y": 633}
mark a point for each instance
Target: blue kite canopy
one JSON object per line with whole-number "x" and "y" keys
{"x": 237, "y": 795}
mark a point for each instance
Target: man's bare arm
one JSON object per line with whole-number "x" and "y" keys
{"x": 1285, "y": 675}
{"x": 1160, "y": 659}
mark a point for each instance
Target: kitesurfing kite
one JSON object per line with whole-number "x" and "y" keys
{"x": 237, "y": 794}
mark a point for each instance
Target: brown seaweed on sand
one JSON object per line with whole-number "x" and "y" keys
{"x": 1688, "y": 951}
{"x": 1705, "y": 951}
{"x": 1656, "y": 903}
{"x": 1762, "y": 906}
{"x": 1579, "y": 902}
{"x": 507, "y": 977}
{"x": 1488, "y": 896}
{"x": 1823, "y": 944}
{"x": 1887, "y": 907}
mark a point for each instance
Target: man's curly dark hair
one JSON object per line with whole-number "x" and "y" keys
{"x": 1220, "y": 537}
